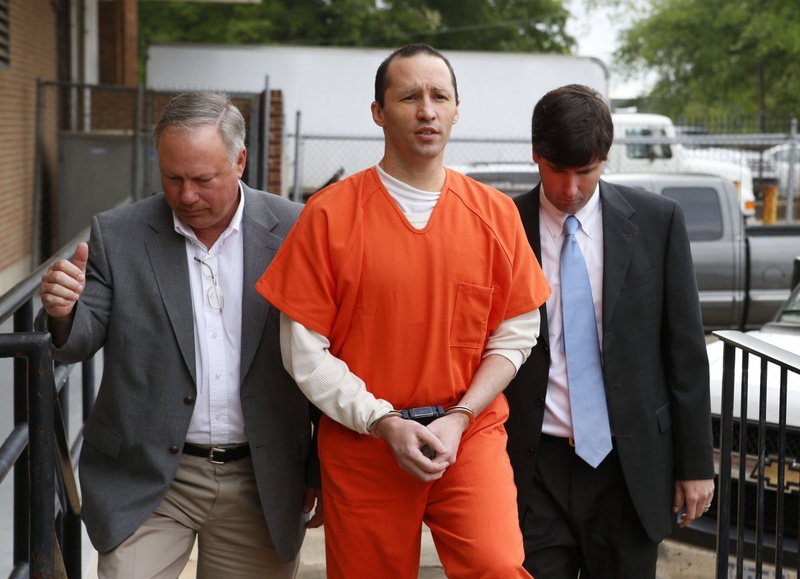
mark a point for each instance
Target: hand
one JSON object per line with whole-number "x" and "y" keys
{"x": 318, "y": 518}
{"x": 406, "y": 438}
{"x": 449, "y": 430}
{"x": 695, "y": 495}
{"x": 63, "y": 283}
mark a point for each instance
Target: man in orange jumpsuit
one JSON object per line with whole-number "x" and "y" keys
{"x": 409, "y": 298}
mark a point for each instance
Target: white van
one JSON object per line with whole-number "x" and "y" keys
{"x": 666, "y": 156}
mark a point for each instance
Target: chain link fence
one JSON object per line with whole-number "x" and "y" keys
{"x": 94, "y": 150}
{"x": 755, "y": 161}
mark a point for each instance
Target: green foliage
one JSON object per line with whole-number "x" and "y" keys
{"x": 506, "y": 25}
{"x": 716, "y": 57}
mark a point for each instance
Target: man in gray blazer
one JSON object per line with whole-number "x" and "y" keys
{"x": 197, "y": 430}
{"x": 605, "y": 521}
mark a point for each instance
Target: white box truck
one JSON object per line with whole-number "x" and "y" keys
{"x": 333, "y": 87}
{"x": 663, "y": 155}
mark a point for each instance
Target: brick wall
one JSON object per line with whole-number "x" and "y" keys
{"x": 117, "y": 23}
{"x": 33, "y": 54}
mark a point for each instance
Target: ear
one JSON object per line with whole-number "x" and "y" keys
{"x": 377, "y": 113}
{"x": 240, "y": 162}
{"x": 535, "y": 156}
{"x": 458, "y": 113}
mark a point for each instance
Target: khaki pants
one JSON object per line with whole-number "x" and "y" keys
{"x": 219, "y": 505}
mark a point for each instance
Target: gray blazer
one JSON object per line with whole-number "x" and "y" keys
{"x": 654, "y": 357}
{"x": 137, "y": 306}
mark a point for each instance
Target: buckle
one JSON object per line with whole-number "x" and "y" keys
{"x": 211, "y": 452}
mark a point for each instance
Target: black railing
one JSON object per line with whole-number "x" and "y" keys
{"x": 46, "y": 525}
{"x": 753, "y": 479}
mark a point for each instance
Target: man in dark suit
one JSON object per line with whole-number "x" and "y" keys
{"x": 197, "y": 430}
{"x": 605, "y": 518}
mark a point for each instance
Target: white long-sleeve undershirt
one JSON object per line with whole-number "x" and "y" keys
{"x": 330, "y": 385}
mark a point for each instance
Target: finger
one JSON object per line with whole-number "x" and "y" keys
{"x": 315, "y": 521}
{"x": 81, "y": 256}
{"x": 429, "y": 439}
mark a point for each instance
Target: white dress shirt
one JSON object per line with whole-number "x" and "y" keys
{"x": 217, "y": 417}
{"x": 557, "y": 415}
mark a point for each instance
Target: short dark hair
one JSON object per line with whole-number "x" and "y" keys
{"x": 572, "y": 126}
{"x": 408, "y": 51}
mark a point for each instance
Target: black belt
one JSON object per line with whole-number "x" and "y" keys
{"x": 562, "y": 439}
{"x": 569, "y": 441}
{"x": 217, "y": 455}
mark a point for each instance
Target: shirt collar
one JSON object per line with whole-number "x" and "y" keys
{"x": 588, "y": 215}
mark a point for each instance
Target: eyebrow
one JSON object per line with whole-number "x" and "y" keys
{"x": 418, "y": 88}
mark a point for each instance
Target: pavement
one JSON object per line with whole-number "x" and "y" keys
{"x": 675, "y": 561}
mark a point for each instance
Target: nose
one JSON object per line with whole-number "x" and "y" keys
{"x": 426, "y": 110}
{"x": 570, "y": 184}
{"x": 188, "y": 193}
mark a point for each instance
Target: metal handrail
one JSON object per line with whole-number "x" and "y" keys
{"x": 766, "y": 354}
{"x": 46, "y": 507}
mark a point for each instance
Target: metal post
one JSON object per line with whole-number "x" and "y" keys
{"x": 136, "y": 170}
{"x": 149, "y": 186}
{"x": 36, "y": 230}
{"x": 297, "y": 196}
{"x": 88, "y": 382}
{"x": 36, "y": 532}
{"x": 726, "y": 444}
{"x": 793, "y": 178}
{"x": 267, "y": 132}
{"x": 41, "y": 395}
{"x": 254, "y": 174}
{"x": 23, "y": 322}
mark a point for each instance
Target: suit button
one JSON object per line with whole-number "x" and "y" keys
{"x": 174, "y": 449}
{"x": 188, "y": 400}
{"x": 540, "y": 402}
{"x": 529, "y": 452}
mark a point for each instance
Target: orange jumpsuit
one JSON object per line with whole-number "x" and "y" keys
{"x": 410, "y": 311}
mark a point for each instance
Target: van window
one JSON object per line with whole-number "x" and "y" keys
{"x": 701, "y": 208}
{"x": 645, "y": 150}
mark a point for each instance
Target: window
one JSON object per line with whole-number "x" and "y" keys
{"x": 646, "y": 150}
{"x": 701, "y": 209}
{"x": 5, "y": 56}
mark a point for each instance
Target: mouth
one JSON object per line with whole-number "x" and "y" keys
{"x": 427, "y": 133}
{"x": 191, "y": 212}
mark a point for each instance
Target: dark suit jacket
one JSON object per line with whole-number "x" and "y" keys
{"x": 654, "y": 357}
{"x": 137, "y": 306}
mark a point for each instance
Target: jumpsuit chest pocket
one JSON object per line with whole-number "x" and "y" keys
{"x": 471, "y": 316}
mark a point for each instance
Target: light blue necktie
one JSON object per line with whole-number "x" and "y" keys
{"x": 587, "y": 395}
